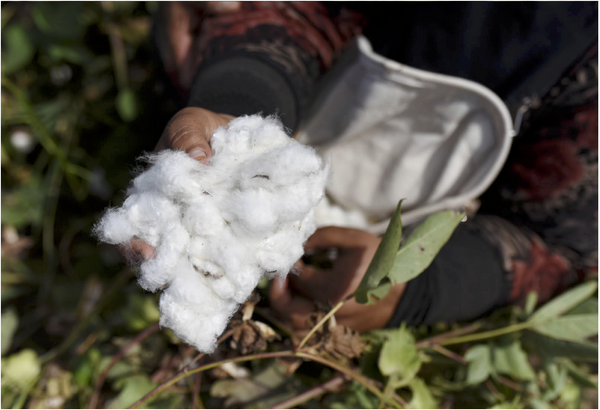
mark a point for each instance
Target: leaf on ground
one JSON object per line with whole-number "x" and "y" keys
{"x": 262, "y": 390}
{"x": 382, "y": 263}
{"x": 422, "y": 397}
{"x": 480, "y": 364}
{"x": 399, "y": 356}
{"x": 565, "y": 302}
{"x": 10, "y": 322}
{"x": 510, "y": 359}
{"x": 575, "y": 328}
{"x": 21, "y": 369}
{"x": 132, "y": 389}
{"x": 419, "y": 250}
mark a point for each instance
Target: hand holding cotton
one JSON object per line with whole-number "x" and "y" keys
{"x": 219, "y": 228}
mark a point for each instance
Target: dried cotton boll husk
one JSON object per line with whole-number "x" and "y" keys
{"x": 219, "y": 228}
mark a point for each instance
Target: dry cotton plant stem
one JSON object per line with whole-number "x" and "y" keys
{"x": 196, "y": 400}
{"x": 321, "y": 323}
{"x": 365, "y": 381}
{"x": 138, "y": 339}
{"x": 434, "y": 340}
{"x": 316, "y": 391}
{"x": 170, "y": 382}
{"x": 449, "y": 354}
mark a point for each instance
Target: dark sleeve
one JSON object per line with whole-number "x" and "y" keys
{"x": 463, "y": 282}
{"x": 244, "y": 83}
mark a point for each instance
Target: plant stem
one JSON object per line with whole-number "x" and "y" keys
{"x": 285, "y": 353}
{"x": 486, "y": 335}
{"x": 365, "y": 381}
{"x": 321, "y": 322}
{"x": 196, "y": 399}
{"x": 438, "y": 338}
{"x": 138, "y": 339}
{"x": 316, "y": 391}
{"x": 449, "y": 354}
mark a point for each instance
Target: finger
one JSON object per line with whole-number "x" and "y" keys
{"x": 291, "y": 308}
{"x": 146, "y": 251}
{"x": 333, "y": 236}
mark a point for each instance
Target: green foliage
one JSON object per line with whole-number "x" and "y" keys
{"x": 79, "y": 79}
{"x": 394, "y": 264}
{"x": 10, "y": 322}
{"x": 480, "y": 364}
{"x": 382, "y": 263}
{"x": 399, "y": 357}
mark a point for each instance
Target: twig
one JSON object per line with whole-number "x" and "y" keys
{"x": 96, "y": 395}
{"x": 450, "y": 354}
{"x": 321, "y": 322}
{"x": 490, "y": 385}
{"x": 183, "y": 374}
{"x": 316, "y": 391}
{"x": 510, "y": 384}
{"x": 196, "y": 400}
{"x": 365, "y": 381}
{"x": 453, "y": 333}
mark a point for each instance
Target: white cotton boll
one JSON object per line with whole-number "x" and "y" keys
{"x": 115, "y": 228}
{"x": 219, "y": 228}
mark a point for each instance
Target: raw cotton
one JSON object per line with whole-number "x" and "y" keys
{"x": 219, "y": 228}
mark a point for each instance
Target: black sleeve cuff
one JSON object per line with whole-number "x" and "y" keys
{"x": 244, "y": 84}
{"x": 465, "y": 281}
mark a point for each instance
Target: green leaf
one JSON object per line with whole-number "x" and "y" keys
{"x": 21, "y": 369}
{"x": 510, "y": 359}
{"x": 132, "y": 388}
{"x": 480, "y": 364}
{"x": 579, "y": 376}
{"x": 548, "y": 346}
{"x": 556, "y": 377}
{"x": 530, "y": 303}
{"x": 60, "y": 20}
{"x": 10, "y": 322}
{"x": 127, "y": 105}
{"x": 587, "y": 307}
{"x": 575, "y": 328}
{"x": 422, "y": 397}
{"x": 382, "y": 263}
{"x": 399, "y": 356}
{"x": 85, "y": 370}
{"x": 539, "y": 404}
{"x": 17, "y": 51}
{"x": 262, "y": 390}
{"x": 419, "y": 250}
{"x": 564, "y": 302}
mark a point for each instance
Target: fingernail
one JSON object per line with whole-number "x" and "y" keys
{"x": 198, "y": 154}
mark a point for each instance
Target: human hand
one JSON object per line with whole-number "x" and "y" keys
{"x": 294, "y": 299}
{"x": 189, "y": 130}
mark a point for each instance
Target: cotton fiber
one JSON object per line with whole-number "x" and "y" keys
{"x": 219, "y": 228}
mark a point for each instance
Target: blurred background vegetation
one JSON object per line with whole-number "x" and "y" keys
{"x": 82, "y": 97}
